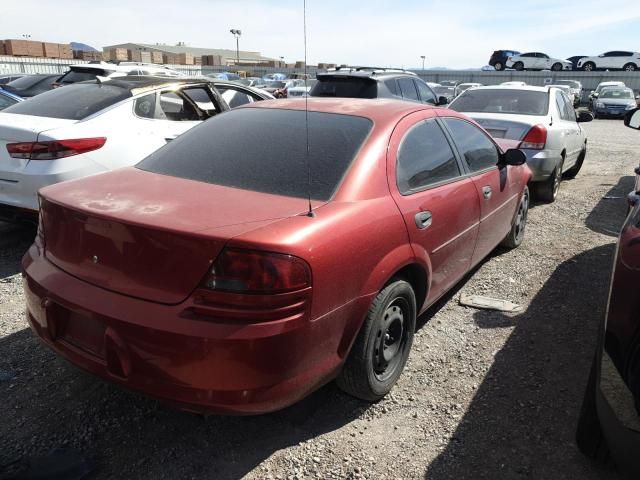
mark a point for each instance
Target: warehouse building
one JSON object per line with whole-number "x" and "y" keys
{"x": 183, "y": 54}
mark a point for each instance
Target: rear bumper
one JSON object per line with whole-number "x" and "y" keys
{"x": 238, "y": 368}
{"x": 20, "y": 189}
{"x": 542, "y": 163}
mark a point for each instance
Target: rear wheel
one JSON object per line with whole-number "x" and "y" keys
{"x": 382, "y": 347}
{"x": 499, "y": 66}
{"x": 516, "y": 234}
{"x": 573, "y": 171}
{"x": 630, "y": 67}
{"x": 518, "y": 66}
{"x": 547, "y": 191}
{"x": 556, "y": 67}
{"x": 589, "y": 67}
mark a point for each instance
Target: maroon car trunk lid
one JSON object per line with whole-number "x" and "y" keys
{"x": 146, "y": 235}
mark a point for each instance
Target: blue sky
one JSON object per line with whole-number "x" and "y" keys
{"x": 376, "y": 32}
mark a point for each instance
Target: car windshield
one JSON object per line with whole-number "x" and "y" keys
{"x": 74, "y": 102}
{"x": 602, "y": 87}
{"x": 245, "y": 149}
{"x": 569, "y": 83}
{"x": 276, "y": 84}
{"x": 617, "y": 93}
{"x": 519, "y": 102}
{"x": 349, "y": 87}
{"x": 443, "y": 90}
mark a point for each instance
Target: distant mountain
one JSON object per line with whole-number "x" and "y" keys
{"x": 82, "y": 46}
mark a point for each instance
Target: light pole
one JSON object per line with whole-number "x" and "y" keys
{"x": 236, "y": 33}
{"x": 423, "y": 58}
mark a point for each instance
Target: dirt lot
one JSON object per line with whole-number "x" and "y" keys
{"x": 485, "y": 395}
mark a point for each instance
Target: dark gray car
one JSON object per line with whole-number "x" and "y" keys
{"x": 368, "y": 82}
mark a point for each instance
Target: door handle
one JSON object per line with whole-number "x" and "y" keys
{"x": 423, "y": 219}
{"x": 168, "y": 139}
{"x": 487, "y": 192}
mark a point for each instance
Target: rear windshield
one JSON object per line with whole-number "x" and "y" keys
{"x": 520, "y": 102}
{"x": 27, "y": 81}
{"x": 350, "y": 87}
{"x": 82, "y": 75}
{"x": 74, "y": 102}
{"x": 246, "y": 149}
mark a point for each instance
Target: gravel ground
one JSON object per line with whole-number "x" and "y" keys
{"x": 484, "y": 395}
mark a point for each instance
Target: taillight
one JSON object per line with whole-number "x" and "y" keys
{"x": 536, "y": 138}
{"x": 54, "y": 149}
{"x": 249, "y": 271}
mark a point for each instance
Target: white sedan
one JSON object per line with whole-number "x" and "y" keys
{"x": 537, "y": 61}
{"x": 542, "y": 119}
{"x": 93, "y": 127}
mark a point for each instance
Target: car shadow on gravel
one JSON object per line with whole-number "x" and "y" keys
{"x": 605, "y": 218}
{"x": 47, "y": 404}
{"x": 527, "y": 407}
{"x": 14, "y": 242}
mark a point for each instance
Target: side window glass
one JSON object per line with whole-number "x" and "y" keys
{"x": 478, "y": 150}
{"x": 145, "y": 107}
{"x": 560, "y": 105}
{"x": 176, "y": 108}
{"x": 570, "y": 112}
{"x": 425, "y": 158}
{"x": 235, "y": 97}
{"x": 426, "y": 95}
{"x": 201, "y": 97}
{"x": 393, "y": 87}
{"x": 408, "y": 89}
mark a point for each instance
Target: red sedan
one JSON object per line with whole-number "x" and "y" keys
{"x": 232, "y": 272}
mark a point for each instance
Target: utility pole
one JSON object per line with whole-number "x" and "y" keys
{"x": 236, "y": 33}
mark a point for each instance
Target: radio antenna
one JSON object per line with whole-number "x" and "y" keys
{"x": 306, "y": 110}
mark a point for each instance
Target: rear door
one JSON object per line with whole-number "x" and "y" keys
{"x": 498, "y": 193}
{"x": 570, "y": 130}
{"x": 438, "y": 202}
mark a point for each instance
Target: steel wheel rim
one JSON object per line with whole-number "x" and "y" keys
{"x": 521, "y": 217}
{"x": 390, "y": 340}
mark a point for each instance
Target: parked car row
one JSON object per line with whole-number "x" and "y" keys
{"x": 612, "y": 60}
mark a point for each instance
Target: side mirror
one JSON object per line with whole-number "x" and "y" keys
{"x": 584, "y": 117}
{"x": 442, "y": 100}
{"x": 514, "y": 156}
{"x": 632, "y": 119}
{"x": 595, "y": 94}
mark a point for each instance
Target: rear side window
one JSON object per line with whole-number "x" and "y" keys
{"x": 245, "y": 149}
{"x": 349, "y": 87}
{"x": 74, "y": 102}
{"x": 425, "y": 158}
{"x": 475, "y": 146}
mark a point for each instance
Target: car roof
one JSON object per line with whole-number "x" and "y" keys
{"x": 380, "y": 110}
{"x": 366, "y": 72}
{"x": 602, "y": 84}
{"x": 531, "y": 88}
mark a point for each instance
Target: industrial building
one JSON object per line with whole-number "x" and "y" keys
{"x": 181, "y": 54}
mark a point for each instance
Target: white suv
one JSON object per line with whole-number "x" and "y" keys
{"x": 89, "y": 71}
{"x": 537, "y": 61}
{"x": 614, "y": 60}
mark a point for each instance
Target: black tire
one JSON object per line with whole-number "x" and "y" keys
{"x": 589, "y": 435}
{"x": 516, "y": 234}
{"x": 595, "y": 116}
{"x": 589, "y": 67}
{"x": 382, "y": 347}
{"x": 630, "y": 67}
{"x": 547, "y": 191}
{"x": 573, "y": 171}
{"x": 499, "y": 66}
{"x": 518, "y": 66}
{"x": 556, "y": 67}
